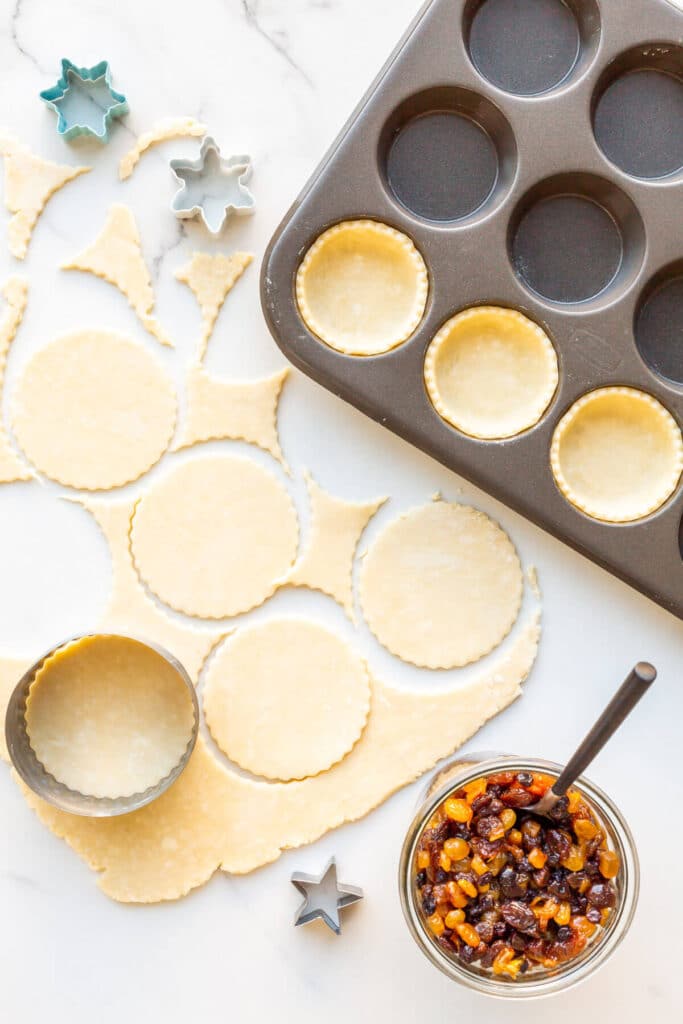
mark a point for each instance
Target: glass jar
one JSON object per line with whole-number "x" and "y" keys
{"x": 535, "y": 983}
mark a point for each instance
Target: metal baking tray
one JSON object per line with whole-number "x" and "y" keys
{"x": 540, "y": 79}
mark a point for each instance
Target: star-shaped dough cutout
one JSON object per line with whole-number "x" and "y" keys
{"x": 324, "y": 897}
{"x": 84, "y": 101}
{"x": 212, "y": 188}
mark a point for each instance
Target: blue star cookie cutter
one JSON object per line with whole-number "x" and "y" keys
{"x": 84, "y": 101}
{"x": 212, "y": 188}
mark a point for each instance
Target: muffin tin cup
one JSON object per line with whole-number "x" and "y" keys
{"x": 470, "y": 263}
{"x": 50, "y": 789}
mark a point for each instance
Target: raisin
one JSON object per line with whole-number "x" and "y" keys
{"x": 518, "y": 942}
{"x": 576, "y": 879}
{"x": 525, "y": 778}
{"x": 488, "y": 825}
{"x": 440, "y": 876}
{"x": 496, "y": 806}
{"x": 558, "y": 844}
{"x": 501, "y": 779}
{"x": 421, "y": 878}
{"x": 560, "y": 811}
{"x": 559, "y": 886}
{"x": 446, "y": 944}
{"x": 516, "y": 796}
{"x": 480, "y": 803}
{"x": 541, "y": 878}
{"x": 485, "y": 930}
{"x": 564, "y": 934}
{"x": 519, "y": 917}
{"x": 601, "y": 894}
{"x": 594, "y": 915}
{"x": 508, "y": 884}
{"x": 500, "y": 929}
{"x": 467, "y": 953}
{"x": 428, "y": 901}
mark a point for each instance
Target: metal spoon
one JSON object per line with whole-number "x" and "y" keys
{"x": 625, "y": 699}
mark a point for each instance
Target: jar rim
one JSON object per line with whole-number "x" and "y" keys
{"x": 565, "y": 975}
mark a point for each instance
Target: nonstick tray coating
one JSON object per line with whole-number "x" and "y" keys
{"x": 546, "y": 149}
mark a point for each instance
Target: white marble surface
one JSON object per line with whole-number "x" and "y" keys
{"x": 277, "y": 78}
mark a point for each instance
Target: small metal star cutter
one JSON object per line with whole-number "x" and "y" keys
{"x": 324, "y": 897}
{"x": 84, "y": 101}
{"x": 212, "y": 188}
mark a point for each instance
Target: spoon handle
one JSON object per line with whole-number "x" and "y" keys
{"x": 638, "y": 681}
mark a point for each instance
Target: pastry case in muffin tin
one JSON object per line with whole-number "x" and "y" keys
{"x": 571, "y": 213}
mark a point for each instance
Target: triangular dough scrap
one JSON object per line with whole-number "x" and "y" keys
{"x": 214, "y": 818}
{"x": 232, "y": 410}
{"x": 327, "y": 561}
{"x": 11, "y": 671}
{"x": 210, "y": 278}
{"x": 15, "y": 291}
{"x": 129, "y": 609}
{"x": 161, "y": 131}
{"x": 29, "y": 182}
{"x": 116, "y": 256}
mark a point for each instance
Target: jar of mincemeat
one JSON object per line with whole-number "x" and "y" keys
{"x": 507, "y": 904}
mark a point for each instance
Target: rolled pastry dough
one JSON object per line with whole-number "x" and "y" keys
{"x": 94, "y": 410}
{"x": 286, "y": 699}
{"x": 441, "y": 586}
{"x": 108, "y": 716}
{"x": 214, "y": 536}
{"x": 362, "y": 287}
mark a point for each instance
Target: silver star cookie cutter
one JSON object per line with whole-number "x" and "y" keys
{"x": 324, "y": 897}
{"x": 212, "y": 188}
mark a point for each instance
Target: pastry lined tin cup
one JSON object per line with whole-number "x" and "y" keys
{"x": 57, "y": 793}
{"x": 567, "y": 234}
{"x": 457, "y": 772}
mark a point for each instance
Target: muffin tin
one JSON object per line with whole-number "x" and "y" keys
{"x": 557, "y": 191}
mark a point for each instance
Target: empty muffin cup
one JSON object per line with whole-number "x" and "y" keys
{"x": 617, "y": 454}
{"x": 491, "y": 372}
{"x": 102, "y": 724}
{"x": 362, "y": 288}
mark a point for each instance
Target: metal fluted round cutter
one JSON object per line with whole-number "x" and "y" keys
{"x": 50, "y": 789}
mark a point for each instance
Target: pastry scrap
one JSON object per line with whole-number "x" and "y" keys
{"x": 362, "y": 288}
{"x": 161, "y": 131}
{"x": 116, "y": 257}
{"x": 29, "y": 182}
{"x": 286, "y": 699}
{"x": 15, "y": 292}
{"x": 214, "y": 537}
{"x": 441, "y": 586}
{"x": 617, "y": 454}
{"x": 239, "y": 410}
{"x": 129, "y": 609}
{"x": 213, "y": 818}
{"x": 326, "y": 563}
{"x": 491, "y": 372}
{"x": 108, "y": 716}
{"x": 94, "y": 410}
{"x": 210, "y": 278}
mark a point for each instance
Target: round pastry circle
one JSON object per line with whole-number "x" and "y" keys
{"x": 108, "y": 716}
{"x": 94, "y": 410}
{"x": 214, "y": 537}
{"x": 491, "y": 372}
{"x": 441, "y": 586}
{"x": 362, "y": 288}
{"x": 286, "y": 699}
{"x": 617, "y": 454}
